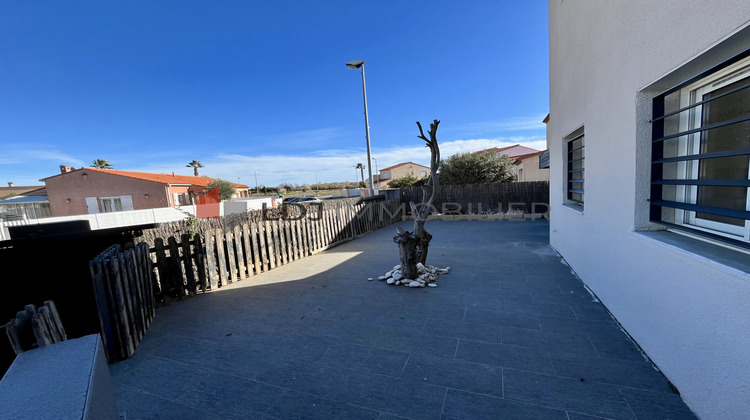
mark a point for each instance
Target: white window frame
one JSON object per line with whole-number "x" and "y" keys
{"x": 114, "y": 203}
{"x": 181, "y": 199}
{"x": 690, "y": 144}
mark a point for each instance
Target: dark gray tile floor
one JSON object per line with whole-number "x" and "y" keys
{"x": 509, "y": 333}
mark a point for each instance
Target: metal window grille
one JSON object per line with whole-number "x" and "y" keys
{"x": 700, "y": 155}
{"x": 575, "y": 164}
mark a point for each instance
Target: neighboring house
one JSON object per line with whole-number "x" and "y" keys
{"x": 32, "y": 204}
{"x": 526, "y": 159}
{"x": 650, "y": 192}
{"x": 400, "y": 170}
{"x": 93, "y": 190}
{"x": 512, "y": 151}
{"x": 529, "y": 168}
{"x": 12, "y": 190}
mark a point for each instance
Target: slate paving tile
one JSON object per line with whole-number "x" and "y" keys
{"x": 591, "y": 312}
{"x": 325, "y": 381}
{"x": 363, "y": 358}
{"x": 460, "y": 405}
{"x": 474, "y": 377}
{"x": 295, "y": 405}
{"x": 555, "y": 343}
{"x": 411, "y": 342}
{"x": 144, "y": 406}
{"x": 388, "y": 416}
{"x": 453, "y": 312}
{"x": 482, "y": 303}
{"x": 393, "y": 321}
{"x": 346, "y": 331}
{"x": 560, "y": 310}
{"x": 600, "y": 330}
{"x": 228, "y": 395}
{"x": 160, "y": 377}
{"x": 502, "y": 319}
{"x": 656, "y": 405}
{"x": 529, "y": 359}
{"x": 611, "y": 371}
{"x": 395, "y": 396}
{"x": 291, "y": 346}
{"x": 578, "y": 416}
{"x": 566, "y": 394}
{"x": 176, "y": 347}
{"x": 618, "y": 349}
{"x": 468, "y": 330}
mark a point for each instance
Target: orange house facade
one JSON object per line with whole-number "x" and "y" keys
{"x": 93, "y": 190}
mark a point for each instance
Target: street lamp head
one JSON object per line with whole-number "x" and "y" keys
{"x": 355, "y": 64}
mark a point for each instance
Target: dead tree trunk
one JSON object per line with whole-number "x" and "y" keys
{"x": 413, "y": 246}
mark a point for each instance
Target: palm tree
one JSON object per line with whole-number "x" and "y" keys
{"x": 195, "y": 165}
{"x": 102, "y": 164}
{"x": 361, "y": 168}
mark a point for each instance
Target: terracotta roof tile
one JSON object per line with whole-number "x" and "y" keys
{"x": 402, "y": 164}
{"x": 160, "y": 178}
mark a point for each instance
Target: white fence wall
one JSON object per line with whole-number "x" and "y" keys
{"x": 110, "y": 220}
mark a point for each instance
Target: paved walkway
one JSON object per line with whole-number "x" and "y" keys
{"x": 509, "y": 333}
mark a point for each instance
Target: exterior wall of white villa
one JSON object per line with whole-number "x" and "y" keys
{"x": 686, "y": 302}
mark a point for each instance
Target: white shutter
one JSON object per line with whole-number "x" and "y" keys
{"x": 92, "y": 204}
{"x": 127, "y": 202}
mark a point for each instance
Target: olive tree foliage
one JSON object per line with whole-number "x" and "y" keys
{"x": 226, "y": 189}
{"x": 476, "y": 168}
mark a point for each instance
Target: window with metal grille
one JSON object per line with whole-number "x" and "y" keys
{"x": 575, "y": 164}
{"x": 700, "y": 174}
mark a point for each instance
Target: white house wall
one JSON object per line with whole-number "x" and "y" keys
{"x": 689, "y": 312}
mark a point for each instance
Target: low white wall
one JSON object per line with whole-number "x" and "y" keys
{"x": 110, "y": 220}
{"x": 246, "y": 204}
{"x": 68, "y": 380}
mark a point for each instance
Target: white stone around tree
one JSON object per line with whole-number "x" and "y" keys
{"x": 428, "y": 276}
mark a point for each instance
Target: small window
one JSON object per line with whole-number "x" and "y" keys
{"x": 110, "y": 204}
{"x": 181, "y": 199}
{"x": 575, "y": 158}
{"x": 701, "y": 154}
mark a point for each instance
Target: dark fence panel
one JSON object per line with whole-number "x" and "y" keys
{"x": 483, "y": 198}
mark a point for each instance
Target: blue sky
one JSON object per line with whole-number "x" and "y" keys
{"x": 262, "y": 86}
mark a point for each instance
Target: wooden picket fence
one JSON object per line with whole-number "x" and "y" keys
{"x": 124, "y": 292}
{"x": 189, "y": 264}
{"x": 35, "y": 328}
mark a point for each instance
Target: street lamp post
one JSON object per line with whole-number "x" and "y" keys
{"x": 256, "y": 182}
{"x": 376, "y": 171}
{"x": 355, "y": 65}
